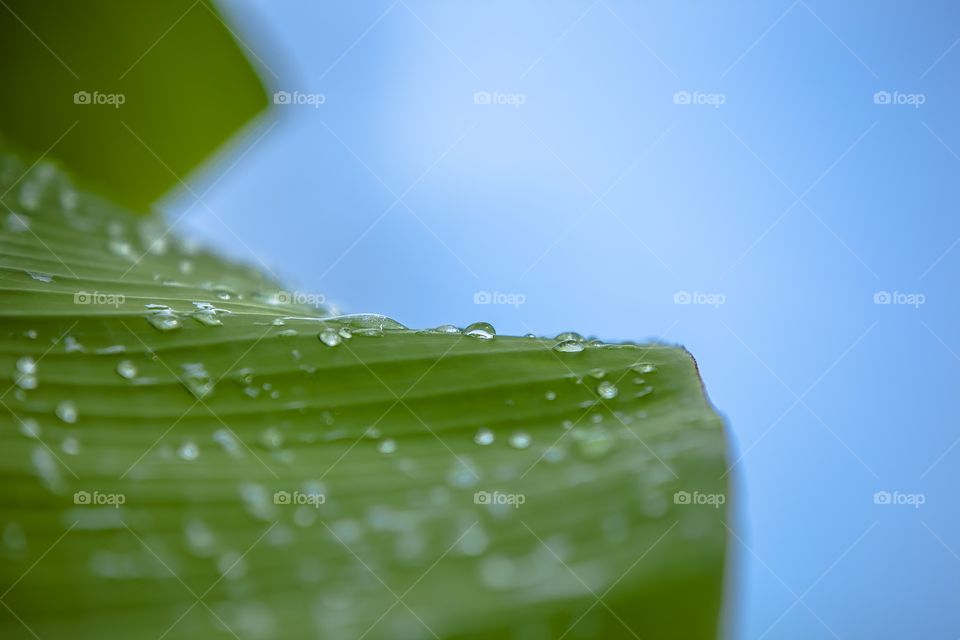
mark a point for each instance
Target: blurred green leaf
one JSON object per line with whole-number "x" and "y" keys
{"x": 287, "y": 474}
{"x": 131, "y": 96}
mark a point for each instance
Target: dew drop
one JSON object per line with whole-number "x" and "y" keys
{"x": 387, "y": 446}
{"x": 330, "y": 337}
{"x": 72, "y": 345}
{"x": 447, "y": 328}
{"x": 70, "y": 446}
{"x": 67, "y": 411}
{"x": 228, "y": 442}
{"x": 271, "y": 438}
{"x": 27, "y": 365}
{"x": 207, "y": 314}
{"x": 550, "y": 395}
{"x": 127, "y": 369}
{"x": 481, "y": 330}
{"x": 520, "y": 440}
{"x": 607, "y": 390}
{"x": 188, "y": 451}
{"x": 484, "y": 437}
{"x": 30, "y": 428}
{"x": 568, "y": 346}
{"x": 200, "y": 538}
{"x": 196, "y": 379}
{"x": 164, "y": 319}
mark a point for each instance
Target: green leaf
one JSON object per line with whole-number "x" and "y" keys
{"x": 131, "y": 96}
{"x": 232, "y": 463}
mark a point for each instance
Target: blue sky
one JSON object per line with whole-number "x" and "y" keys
{"x": 788, "y": 167}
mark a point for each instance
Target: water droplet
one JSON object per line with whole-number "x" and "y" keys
{"x": 482, "y": 330}
{"x": 550, "y": 395}
{"x": 188, "y": 451}
{"x": 196, "y": 379}
{"x": 447, "y": 328}
{"x": 484, "y": 437}
{"x": 41, "y": 277}
{"x": 330, "y": 337}
{"x": 127, "y": 369}
{"x": 258, "y": 501}
{"x": 122, "y": 248}
{"x": 647, "y": 390}
{"x": 30, "y": 428}
{"x": 17, "y": 223}
{"x": 228, "y": 442}
{"x": 387, "y": 446}
{"x": 462, "y": 476}
{"x": 271, "y": 438}
{"x": 13, "y": 537}
{"x": 200, "y": 538}
{"x": 568, "y": 346}
{"x": 231, "y": 565}
{"x": 345, "y": 333}
{"x": 644, "y": 367}
{"x": 72, "y": 345}
{"x": 474, "y": 541}
{"x": 520, "y": 440}
{"x": 607, "y": 390}
{"x": 67, "y": 411}
{"x": 207, "y": 314}
{"x": 163, "y": 319}
{"x": 47, "y": 469}
{"x": 70, "y": 446}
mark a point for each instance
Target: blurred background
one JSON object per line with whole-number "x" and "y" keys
{"x": 771, "y": 184}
